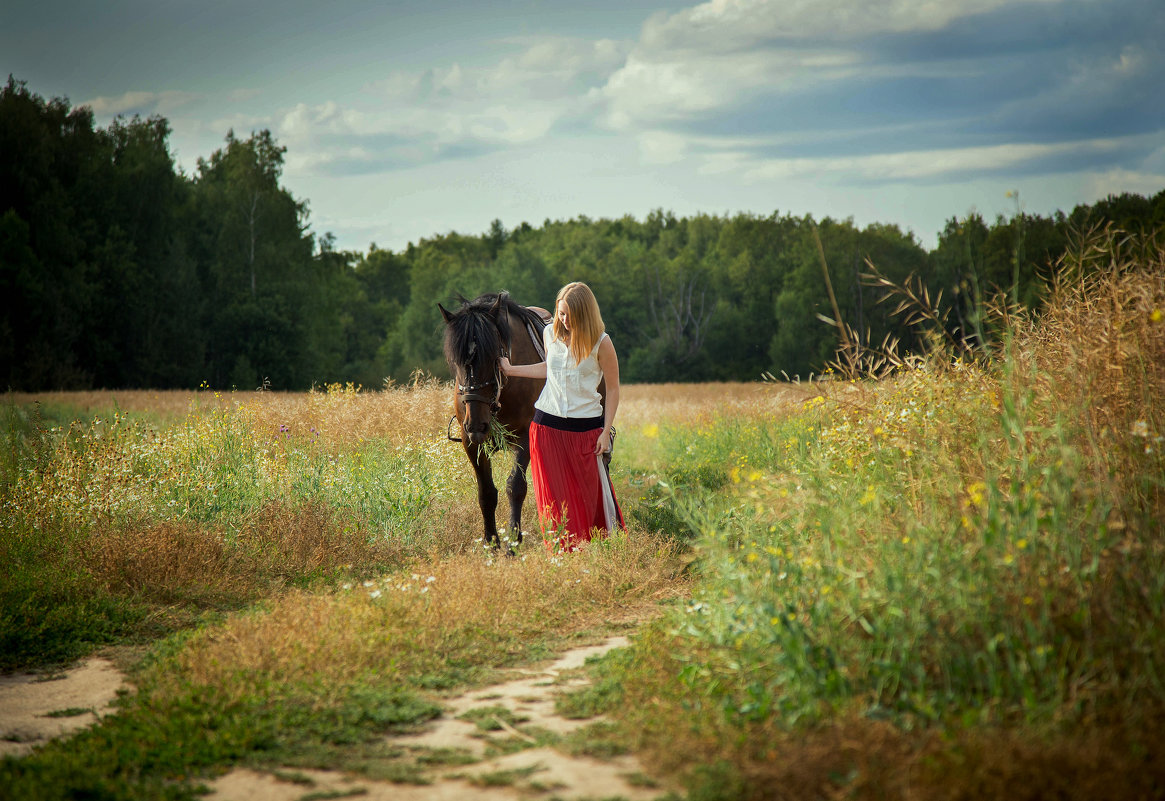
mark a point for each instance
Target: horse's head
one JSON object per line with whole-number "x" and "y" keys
{"x": 476, "y": 337}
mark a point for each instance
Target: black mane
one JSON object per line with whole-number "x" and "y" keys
{"x": 475, "y": 340}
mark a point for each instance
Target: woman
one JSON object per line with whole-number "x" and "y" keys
{"x": 572, "y": 426}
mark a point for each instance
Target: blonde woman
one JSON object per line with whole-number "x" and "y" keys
{"x": 572, "y": 426}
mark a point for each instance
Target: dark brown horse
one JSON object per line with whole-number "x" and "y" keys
{"x": 476, "y": 337}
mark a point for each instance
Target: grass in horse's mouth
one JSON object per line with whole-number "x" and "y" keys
{"x": 497, "y": 437}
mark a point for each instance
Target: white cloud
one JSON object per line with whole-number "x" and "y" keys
{"x": 661, "y": 147}
{"x": 921, "y": 164}
{"x": 730, "y": 25}
{"x": 243, "y": 95}
{"x": 646, "y": 90}
{"x": 722, "y": 53}
{"x": 144, "y": 103}
{"x": 442, "y": 111}
{"x": 546, "y": 68}
{"x": 1148, "y": 181}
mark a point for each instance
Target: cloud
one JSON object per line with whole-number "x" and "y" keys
{"x": 452, "y": 112}
{"x": 893, "y": 90}
{"x": 542, "y": 69}
{"x": 244, "y": 95}
{"x": 661, "y": 147}
{"x": 732, "y": 25}
{"x": 923, "y": 166}
{"x": 141, "y": 103}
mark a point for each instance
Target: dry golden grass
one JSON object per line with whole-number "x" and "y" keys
{"x": 343, "y": 415}
{"x": 172, "y": 562}
{"x": 642, "y": 404}
{"x": 471, "y": 608}
{"x": 1100, "y": 348}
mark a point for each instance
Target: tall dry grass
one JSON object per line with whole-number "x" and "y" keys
{"x": 469, "y": 613}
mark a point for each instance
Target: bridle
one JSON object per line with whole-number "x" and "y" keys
{"x": 477, "y": 391}
{"x": 474, "y": 391}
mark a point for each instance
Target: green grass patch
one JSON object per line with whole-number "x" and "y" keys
{"x": 69, "y": 712}
{"x": 504, "y": 778}
{"x": 492, "y": 718}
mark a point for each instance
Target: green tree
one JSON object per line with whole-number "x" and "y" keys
{"x": 256, "y": 267}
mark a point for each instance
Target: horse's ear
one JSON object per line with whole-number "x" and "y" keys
{"x": 444, "y": 313}
{"x": 498, "y": 304}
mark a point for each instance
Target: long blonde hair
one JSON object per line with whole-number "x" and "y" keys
{"x": 586, "y": 322}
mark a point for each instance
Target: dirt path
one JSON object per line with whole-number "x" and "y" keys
{"x": 35, "y": 708}
{"x": 536, "y": 771}
{"x": 468, "y": 748}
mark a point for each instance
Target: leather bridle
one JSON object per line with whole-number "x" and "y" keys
{"x": 474, "y": 391}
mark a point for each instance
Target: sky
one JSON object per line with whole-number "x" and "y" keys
{"x": 405, "y": 120}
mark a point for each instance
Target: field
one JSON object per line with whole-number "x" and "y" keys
{"x": 948, "y": 582}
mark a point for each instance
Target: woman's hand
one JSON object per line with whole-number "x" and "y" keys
{"x": 522, "y": 370}
{"x": 603, "y": 444}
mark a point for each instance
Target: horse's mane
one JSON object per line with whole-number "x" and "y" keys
{"x": 475, "y": 340}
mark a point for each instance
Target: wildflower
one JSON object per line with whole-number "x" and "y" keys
{"x": 1155, "y": 315}
{"x": 1140, "y": 429}
{"x": 374, "y": 594}
{"x": 651, "y": 430}
{"x": 347, "y": 586}
{"x": 369, "y": 584}
{"x": 430, "y": 579}
{"x": 1021, "y": 544}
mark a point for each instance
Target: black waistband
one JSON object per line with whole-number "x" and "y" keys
{"x": 567, "y": 423}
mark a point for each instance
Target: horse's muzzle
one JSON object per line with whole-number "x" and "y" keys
{"x": 476, "y": 437}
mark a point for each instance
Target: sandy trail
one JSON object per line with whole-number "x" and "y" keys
{"x": 35, "y": 708}
{"x": 532, "y": 773}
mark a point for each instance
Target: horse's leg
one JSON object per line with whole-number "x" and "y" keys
{"x": 487, "y": 493}
{"x": 516, "y": 487}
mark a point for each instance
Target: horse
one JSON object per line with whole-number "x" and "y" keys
{"x": 476, "y": 337}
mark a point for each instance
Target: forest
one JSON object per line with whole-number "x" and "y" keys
{"x": 117, "y": 270}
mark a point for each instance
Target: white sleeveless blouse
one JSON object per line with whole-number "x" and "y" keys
{"x": 571, "y": 390}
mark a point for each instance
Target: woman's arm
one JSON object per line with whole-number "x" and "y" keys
{"x": 609, "y": 363}
{"x": 537, "y": 370}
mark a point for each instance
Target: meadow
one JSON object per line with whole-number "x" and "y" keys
{"x": 943, "y": 581}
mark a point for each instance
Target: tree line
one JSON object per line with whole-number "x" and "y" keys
{"x": 117, "y": 270}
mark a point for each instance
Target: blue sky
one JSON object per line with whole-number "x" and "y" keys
{"x": 403, "y": 120}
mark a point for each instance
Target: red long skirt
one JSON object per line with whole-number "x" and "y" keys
{"x": 571, "y": 487}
